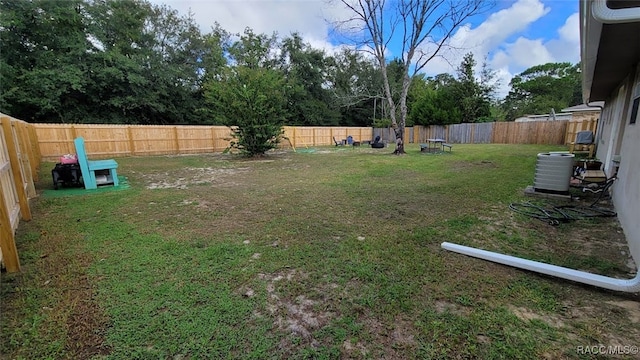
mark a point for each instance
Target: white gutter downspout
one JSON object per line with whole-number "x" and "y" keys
{"x": 630, "y": 285}
{"x": 606, "y": 15}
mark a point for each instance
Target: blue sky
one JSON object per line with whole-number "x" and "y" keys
{"x": 513, "y": 36}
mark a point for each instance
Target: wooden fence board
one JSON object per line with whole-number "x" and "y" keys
{"x": 483, "y": 133}
{"x": 573, "y": 127}
{"x": 17, "y": 171}
{"x": 125, "y": 140}
{"x": 102, "y": 141}
{"x": 19, "y": 177}
{"x": 459, "y": 134}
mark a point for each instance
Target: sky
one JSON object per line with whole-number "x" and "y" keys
{"x": 513, "y": 36}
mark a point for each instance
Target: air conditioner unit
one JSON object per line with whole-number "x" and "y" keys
{"x": 553, "y": 172}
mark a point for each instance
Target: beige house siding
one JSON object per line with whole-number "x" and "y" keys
{"x": 621, "y": 138}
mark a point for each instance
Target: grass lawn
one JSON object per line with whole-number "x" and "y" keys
{"x": 325, "y": 253}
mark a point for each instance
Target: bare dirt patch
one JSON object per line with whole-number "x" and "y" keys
{"x": 222, "y": 177}
{"x": 87, "y": 325}
{"x": 299, "y": 317}
{"x": 632, "y": 309}
{"x": 528, "y": 315}
{"x": 444, "y": 306}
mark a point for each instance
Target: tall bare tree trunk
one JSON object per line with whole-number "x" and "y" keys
{"x": 416, "y": 22}
{"x": 398, "y": 127}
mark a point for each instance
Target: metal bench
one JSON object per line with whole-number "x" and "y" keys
{"x": 444, "y": 145}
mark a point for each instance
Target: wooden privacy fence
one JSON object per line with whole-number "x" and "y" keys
{"x": 131, "y": 140}
{"x": 19, "y": 160}
{"x": 481, "y": 133}
{"x": 573, "y": 127}
{"x": 533, "y": 132}
{"x": 300, "y": 136}
{"x": 102, "y": 141}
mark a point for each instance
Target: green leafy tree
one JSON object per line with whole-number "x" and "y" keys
{"x": 251, "y": 102}
{"x": 43, "y": 59}
{"x": 447, "y": 100}
{"x": 306, "y": 70}
{"x": 474, "y": 96}
{"x": 541, "y": 88}
{"x": 255, "y": 51}
{"x": 356, "y": 87}
{"x": 146, "y": 64}
{"x": 100, "y": 61}
{"x": 434, "y": 101}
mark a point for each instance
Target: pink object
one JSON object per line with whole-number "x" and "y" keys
{"x": 68, "y": 159}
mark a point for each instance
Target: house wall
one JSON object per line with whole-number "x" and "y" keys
{"x": 619, "y": 137}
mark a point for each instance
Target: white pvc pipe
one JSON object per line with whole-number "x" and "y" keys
{"x": 606, "y": 15}
{"x": 630, "y": 285}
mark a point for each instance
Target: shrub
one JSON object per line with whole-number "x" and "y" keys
{"x": 251, "y": 102}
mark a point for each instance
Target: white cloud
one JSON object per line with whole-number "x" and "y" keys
{"x": 510, "y": 58}
{"x": 503, "y": 77}
{"x": 489, "y": 35}
{"x": 310, "y": 18}
{"x": 524, "y": 53}
{"x": 515, "y": 57}
{"x": 567, "y": 46}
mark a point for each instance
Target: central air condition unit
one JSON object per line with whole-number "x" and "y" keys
{"x": 553, "y": 172}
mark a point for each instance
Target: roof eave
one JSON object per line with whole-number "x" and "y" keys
{"x": 590, "y": 30}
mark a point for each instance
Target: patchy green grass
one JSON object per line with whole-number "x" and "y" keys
{"x": 324, "y": 255}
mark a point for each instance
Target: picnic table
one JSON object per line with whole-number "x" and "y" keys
{"x": 434, "y": 145}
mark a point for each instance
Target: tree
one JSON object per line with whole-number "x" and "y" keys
{"x": 474, "y": 96}
{"x": 251, "y": 102}
{"x": 541, "y": 88}
{"x": 356, "y": 87}
{"x": 43, "y": 59}
{"x": 424, "y": 28}
{"x": 145, "y": 66}
{"x": 255, "y": 50}
{"x": 100, "y": 61}
{"x": 448, "y": 100}
{"x": 434, "y": 101}
{"x": 306, "y": 71}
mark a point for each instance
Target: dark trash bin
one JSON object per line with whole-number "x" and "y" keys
{"x": 66, "y": 175}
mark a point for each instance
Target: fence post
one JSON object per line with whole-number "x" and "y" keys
{"x": 293, "y": 132}
{"x": 74, "y": 134}
{"x": 25, "y": 158}
{"x": 132, "y": 144}
{"x": 213, "y": 138}
{"x": 473, "y": 133}
{"x": 34, "y": 151}
{"x": 176, "y": 141}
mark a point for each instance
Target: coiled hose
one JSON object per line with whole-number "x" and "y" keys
{"x": 560, "y": 214}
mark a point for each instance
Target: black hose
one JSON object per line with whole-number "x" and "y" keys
{"x": 560, "y": 214}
